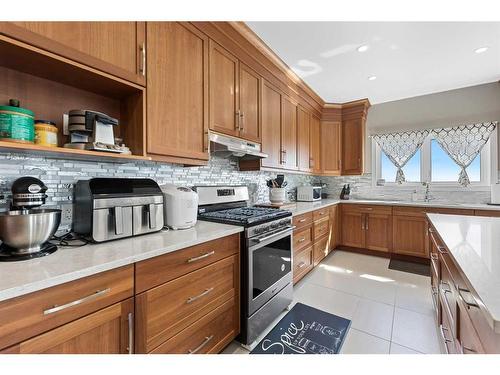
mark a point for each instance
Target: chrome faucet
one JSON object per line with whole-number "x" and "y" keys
{"x": 427, "y": 196}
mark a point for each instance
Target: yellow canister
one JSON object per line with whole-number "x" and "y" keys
{"x": 45, "y": 133}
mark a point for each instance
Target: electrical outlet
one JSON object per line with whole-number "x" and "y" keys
{"x": 66, "y": 214}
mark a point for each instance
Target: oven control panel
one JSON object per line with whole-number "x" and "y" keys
{"x": 265, "y": 229}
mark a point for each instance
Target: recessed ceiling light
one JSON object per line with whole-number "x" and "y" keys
{"x": 481, "y": 50}
{"x": 372, "y": 78}
{"x": 363, "y": 48}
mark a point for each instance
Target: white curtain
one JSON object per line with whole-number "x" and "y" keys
{"x": 400, "y": 147}
{"x": 463, "y": 144}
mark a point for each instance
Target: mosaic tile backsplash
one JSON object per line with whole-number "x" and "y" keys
{"x": 60, "y": 176}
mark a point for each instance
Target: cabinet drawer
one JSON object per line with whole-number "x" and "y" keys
{"x": 210, "y": 334}
{"x": 447, "y": 336}
{"x": 302, "y": 264}
{"x": 156, "y": 271}
{"x": 410, "y": 211}
{"x": 164, "y": 311}
{"x": 365, "y": 208}
{"x": 490, "y": 213}
{"x": 303, "y": 220}
{"x": 321, "y": 229}
{"x": 320, "y": 214}
{"x": 27, "y": 316}
{"x": 301, "y": 239}
{"x": 450, "y": 211}
{"x": 320, "y": 250}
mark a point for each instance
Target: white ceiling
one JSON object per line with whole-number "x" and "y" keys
{"x": 408, "y": 58}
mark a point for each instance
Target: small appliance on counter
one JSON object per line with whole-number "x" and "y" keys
{"x": 345, "y": 193}
{"x": 180, "y": 206}
{"x": 24, "y": 230}
{"x": 112, "y": 208}
{"x": 495, "y": 195}
{"x": 309, "y": 193}
{"x": 90, "y": 130}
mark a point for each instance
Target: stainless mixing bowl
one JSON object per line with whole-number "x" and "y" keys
{"x": 27, "y": 230}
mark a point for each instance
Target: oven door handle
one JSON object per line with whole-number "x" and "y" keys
{"x": 281, "y": 232}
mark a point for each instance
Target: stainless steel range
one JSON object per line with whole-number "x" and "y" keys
{"x": 266, "y": 258}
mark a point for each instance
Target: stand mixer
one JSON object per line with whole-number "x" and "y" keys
{"x": 25, "y": 230}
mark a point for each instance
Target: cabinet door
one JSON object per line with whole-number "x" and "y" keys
{"x": 378, "y": 228}
{"x": 224, "y": 77}
{"x": 107, "y": 331}
{"x": 410, "y": 236}
{"x": 303, "y": 129}
{"x": 331, "y": 147}
{"x": 250, "y": 105}
{"x": 114, "y": 47}
{"x": 177, "y": 90}
{"x": 353, "y": 233}
{"x": 271, "y": 126}
{"x": 289, "y": 134}
{"x": 353, "y": 136}
{"x": 315, "y": 144}
{"x": 334, "y": 227}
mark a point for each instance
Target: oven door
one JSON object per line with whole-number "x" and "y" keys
{"x": 269, "y": 266}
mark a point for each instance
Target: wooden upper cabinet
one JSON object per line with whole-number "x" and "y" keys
{"x": 107, "y": 331}
{"x": 353, "y": 137}
{"x": 224, "y": 97}
{"x": 331, "y": 147}
{"x": 289, "y": 134}
{"x": 117, "y": 48}
{"x": 177, "y": 105}
{"x": 315, "y": 145}
{"x": 303, "y": 131}
{"x": 271, "y": 125}
{"x": 250, "y": 104}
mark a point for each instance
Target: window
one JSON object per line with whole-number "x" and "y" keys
{"x": 432, "y": 163}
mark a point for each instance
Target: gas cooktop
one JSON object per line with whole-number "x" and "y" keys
{"x": 245, "y": 216}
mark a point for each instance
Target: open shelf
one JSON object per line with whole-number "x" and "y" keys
{"x": 68, "y": 153}
{"x": 51, "y": 85}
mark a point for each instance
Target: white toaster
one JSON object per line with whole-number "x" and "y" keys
{"x": 180, "y": 206}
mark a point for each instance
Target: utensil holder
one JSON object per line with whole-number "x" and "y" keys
{"x": 277, "y": 195}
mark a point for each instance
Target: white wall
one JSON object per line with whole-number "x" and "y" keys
{"x": 449, "y": 108}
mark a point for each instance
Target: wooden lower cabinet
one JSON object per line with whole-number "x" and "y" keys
{"x": 210, "y": 334}
{"x": 107, "y": 331}
{"x": 378, "y": 232}
{"x": 166, "y": 310}
{"x": 352, "y": 228}
{"x": 320, "y": 250}
{"x": 302, "y": 263}
{"x": 410, "y": 235}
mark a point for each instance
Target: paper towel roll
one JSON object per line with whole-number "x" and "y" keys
{"x": 495, "y": 193}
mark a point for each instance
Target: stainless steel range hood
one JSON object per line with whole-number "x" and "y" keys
{"x": 225, "y": 146}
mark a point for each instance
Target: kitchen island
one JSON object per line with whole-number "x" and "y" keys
{"x": 465, "y": 262}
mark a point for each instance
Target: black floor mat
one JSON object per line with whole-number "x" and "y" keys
{"x": 305, "y": 330}
{"x": 410, "y": 267}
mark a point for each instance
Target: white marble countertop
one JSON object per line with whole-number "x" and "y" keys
{"x": 473, "y": 242}
{"x": 299, "y": 208}
{"x": 71, "y": 263}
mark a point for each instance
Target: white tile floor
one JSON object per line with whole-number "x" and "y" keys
{"x": 391, "y": 311}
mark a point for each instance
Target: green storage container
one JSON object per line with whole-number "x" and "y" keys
{"x": 17, "y": 124}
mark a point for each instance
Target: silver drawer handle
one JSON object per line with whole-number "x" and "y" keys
{"x": 302, "y": 239}
{"x": 447, "y": 289}
{"x": 468, "y": 304}
{"x": 442, "y": 250}
{"x": 192, "y": 299}
{"x": 205, "y": 342}
{"x": 466, "y": 349}
{"x": 57, "y": 308}
{"x": 190, "y": 260}
{"x": 302, "y": 265}
{"x": 130, "y": 347}
{"x": 446, "y": 341}
{"x": 434, "y": 256}
{"x": 302, "y": 220}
